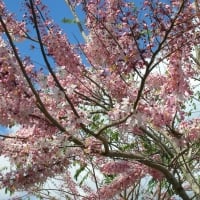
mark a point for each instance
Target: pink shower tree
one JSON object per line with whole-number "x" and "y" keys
{"x": 122, "y": 107}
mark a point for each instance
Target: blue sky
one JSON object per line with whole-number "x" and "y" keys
{"x": 58, "y": 11}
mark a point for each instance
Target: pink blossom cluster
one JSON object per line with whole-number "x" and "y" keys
{"x": 17, "y": 29}
{"x": 16, "y": 98}
{"x": 116, "y": 167}
{"x": 27, "y": 176}
{"x": 124, "y": 179}
{"x": 35, "y": 161}
{"x": 118, "y": 52}
{"x": 60, "y": 49}
{"x": 93, "y": 146}
{"x": 190, "y": 129}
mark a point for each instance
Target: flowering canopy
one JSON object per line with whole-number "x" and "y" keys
{"x": 126, "y": 113}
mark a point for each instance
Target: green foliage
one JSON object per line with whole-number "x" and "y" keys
{"x": 146, "y": 33}
{"x": 69, "y": 21}
{"x": 97, "y": 121}
{"x": 82, "y": 168}
{"x": 113, "y": 135}
{"x": 79, "y": 170}
{"x": 108, "y": 179}
{"x": 126, "y": 147}
{"x": 148, "y": 145}
{"x": 84, "y": 178}
{"x": 9, "y": 191}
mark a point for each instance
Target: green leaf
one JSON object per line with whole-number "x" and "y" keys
{"x": 10, "y": 191}
{"x": 83, "y": 179}
{"x": 151, "y": 184}
{"x": 78, "y": 171}
{"x": 109, "y": 178}
{"x": 69, "y": 21}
